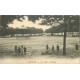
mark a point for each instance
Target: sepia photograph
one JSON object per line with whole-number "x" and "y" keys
{"x": 40, "y": 39}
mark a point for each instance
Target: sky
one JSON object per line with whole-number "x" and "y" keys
{"x": 26, "y": 23}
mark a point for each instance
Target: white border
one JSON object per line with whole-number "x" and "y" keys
{"x": 40, "y": 72}
{"x": 40, "y": 7}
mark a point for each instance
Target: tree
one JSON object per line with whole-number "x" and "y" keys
{"x": 5, "y": 19}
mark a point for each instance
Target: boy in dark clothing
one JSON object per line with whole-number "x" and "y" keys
{"x": 16, "y": 49}
{"x": 76, "y": 46}
{"x": 25, "y": 50}
{"x": 52, "y": 47}
{"x": 47, "y": 47}
{"x": 57, "y": 47}
{"x": 22, "y": 50}
{"x": 19, "y": 50}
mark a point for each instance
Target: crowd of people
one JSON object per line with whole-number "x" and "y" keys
{"x": 20, "y": 50}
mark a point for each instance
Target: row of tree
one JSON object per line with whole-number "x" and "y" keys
{"x": 60, "y": 28}
{"x": 12, "y": 31}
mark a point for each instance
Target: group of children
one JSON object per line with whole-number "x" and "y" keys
{"x": 21, "y": 50}
{"x": 57, "y": 47}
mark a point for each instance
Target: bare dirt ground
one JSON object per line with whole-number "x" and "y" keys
{"x": 35, "y": 46}
{"x": 40, "y": 60}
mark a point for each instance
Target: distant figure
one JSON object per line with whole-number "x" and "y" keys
{"x": 15, "y": 49}
{"x": 47, "y": 47}
{"x": 52, "y": 47}
{"x": 76, "y": 46}
{"x": 57, "y": 47}
{"x": 19, "y": 50}
{"x": 24, "y": 50}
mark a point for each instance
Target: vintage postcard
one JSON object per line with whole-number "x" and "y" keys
{"x": 39, "y": 39}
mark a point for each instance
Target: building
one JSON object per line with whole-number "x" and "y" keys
{"x": 72, "y": 34}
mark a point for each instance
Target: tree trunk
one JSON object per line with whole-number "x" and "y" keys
{"x": 64, "y": 40}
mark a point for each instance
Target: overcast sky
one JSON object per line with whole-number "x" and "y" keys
{"x": 26, "y": 23}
